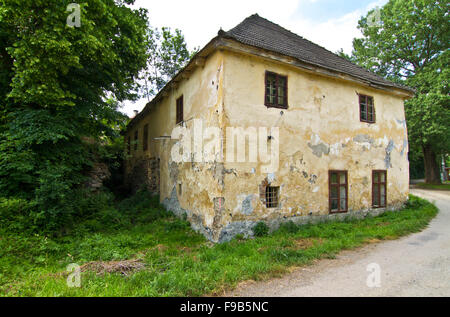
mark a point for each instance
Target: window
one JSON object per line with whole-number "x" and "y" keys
{"x": 338, "y": 191}
{"x": 179, "y": 110}
{"x": 379, "y": 180}
{"x": 276, "y": 91}
{"x": 136, "y": 140}
{"x": 129, "y": 145}
{"x": 272, "y": 196}
{"x": 145, "y": 138}
{"x": 366, "y": 109}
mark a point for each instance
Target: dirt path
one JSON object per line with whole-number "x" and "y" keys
{"x": 417, "y": 265}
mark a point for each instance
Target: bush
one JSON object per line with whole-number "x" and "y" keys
{"x": 16, "y": 213}
{"x": 260, "y": 229}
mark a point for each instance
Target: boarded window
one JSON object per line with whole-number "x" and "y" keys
{"x": 136, "y": 140}
{"x": 179, "y": 110}
{"x": 366, "y": 109}
{"x": 338, "y": 191}
{"x": 379, "y": 180}
{"x": 145, "y": 138}
{"x": 272, "y": 194}
{"x": 276, "y": 91}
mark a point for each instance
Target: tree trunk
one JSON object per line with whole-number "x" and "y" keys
{"x": 432, "y": 173}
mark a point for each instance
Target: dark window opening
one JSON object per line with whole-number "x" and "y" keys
{"x": 276, "y": 91}
{"x": 272, "y": 196}
{"x": 338, "y": 191}
{"x": 379, "y": 194}
{"x": 145, "y": 138}
{"x": 179, "y": 110}
{"x": 366, "y": 109}
{"x": 135, "y": 140}
{"x": 129, "y": 145}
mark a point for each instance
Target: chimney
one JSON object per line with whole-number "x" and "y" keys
{"x": 135, "y": 113}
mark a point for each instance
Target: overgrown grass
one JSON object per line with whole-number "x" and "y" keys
{"x": 178, "y": 261}
{"x": 444, "y": 186}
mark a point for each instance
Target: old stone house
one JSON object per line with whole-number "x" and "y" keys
{"x": 338, "y": 130}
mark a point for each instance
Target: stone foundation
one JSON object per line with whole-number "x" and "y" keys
{"x": 245, "y": 228}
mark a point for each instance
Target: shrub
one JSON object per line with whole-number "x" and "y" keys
{"x": 16, "y": 213}
{"x": 260, "y": 229}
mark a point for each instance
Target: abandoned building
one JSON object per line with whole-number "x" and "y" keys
{"x": 341, "y": 135}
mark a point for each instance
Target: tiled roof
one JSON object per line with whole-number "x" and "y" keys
{"x": 259, "y": 32}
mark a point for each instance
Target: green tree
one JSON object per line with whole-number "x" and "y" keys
{"x": 59, "y": 87}
{"x": 409, "y": 45}
{"x": 168, "y": 54}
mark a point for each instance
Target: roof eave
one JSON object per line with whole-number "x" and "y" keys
{"x": 190, "y": 66}
{"x": 405, "y": 92}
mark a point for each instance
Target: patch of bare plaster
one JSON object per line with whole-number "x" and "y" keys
{"x": 312, "y": 180}
{"x": 271, "y": 177}
{"x": 404, "y": 147}
{"x": 247, "y": 206}
{"x": 363, "y": 138}
{"x": 318, "y": 148}
{"x": 219, "y": 172}
{"x": 172, "y": 204}
{"x": 239, "y": 227}
{"x": 389, "y": 149}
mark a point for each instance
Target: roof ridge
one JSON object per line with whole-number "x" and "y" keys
{"x": 335, "y": 62}
{"x": 315, "y": 44}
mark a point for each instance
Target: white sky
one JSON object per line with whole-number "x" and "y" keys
{"x": 329, "y": 23}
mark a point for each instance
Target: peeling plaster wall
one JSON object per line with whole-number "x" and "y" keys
{"x": 320, "y": 131}
{"x": 199, "y": 183}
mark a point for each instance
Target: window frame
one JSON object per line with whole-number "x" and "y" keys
{"x": 338, "y": 185}
{"x": 145, "y": 138}
{"x": 179, "y": 111}
{"x": 270, "y": 202}
{"x": 366, "y": 99}
{"x": 379, "y": 184}
{"x": 277, "y": 77}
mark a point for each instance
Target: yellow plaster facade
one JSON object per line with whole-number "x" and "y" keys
{"x": 320, "y": 131}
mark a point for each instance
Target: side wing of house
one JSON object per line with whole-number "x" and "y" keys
{"x": 184, "y": 185}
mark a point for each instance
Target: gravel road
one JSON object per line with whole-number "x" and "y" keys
{"x": 416, "y": 265}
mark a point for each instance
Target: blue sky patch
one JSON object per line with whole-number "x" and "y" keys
{"x": 324, "y": 10}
